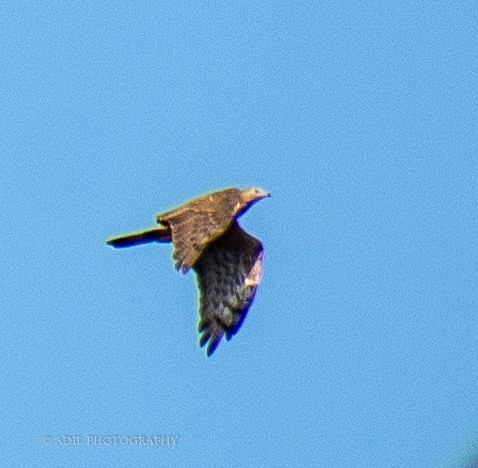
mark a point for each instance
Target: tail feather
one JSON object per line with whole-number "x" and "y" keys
{"x": 158, "y": 234}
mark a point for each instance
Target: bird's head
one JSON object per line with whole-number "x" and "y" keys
{"x": 250, "y": 196}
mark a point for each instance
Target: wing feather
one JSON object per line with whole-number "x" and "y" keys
{"x": 197, "y": 223}
{"x": 228, "y": 273}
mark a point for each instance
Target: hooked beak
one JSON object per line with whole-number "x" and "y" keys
{"x": 262, "y": 194}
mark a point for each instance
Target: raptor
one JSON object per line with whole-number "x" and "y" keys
{"x": 228, "y": 261}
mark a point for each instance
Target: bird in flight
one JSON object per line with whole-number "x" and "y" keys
{"x": 227, "y": 260}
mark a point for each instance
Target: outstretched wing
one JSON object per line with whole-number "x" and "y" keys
{"x": 199, "y": 222}
{"x": 228, "y": 273}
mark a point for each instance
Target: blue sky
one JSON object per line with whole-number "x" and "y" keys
{"x": 360, "y": 118}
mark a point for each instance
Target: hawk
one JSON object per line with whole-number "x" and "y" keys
{"x": 227, "y": 260}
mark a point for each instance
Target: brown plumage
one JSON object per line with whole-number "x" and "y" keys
{"x": 227, "y": 260}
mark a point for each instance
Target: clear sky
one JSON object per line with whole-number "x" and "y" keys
{"x": 361, "y": 119}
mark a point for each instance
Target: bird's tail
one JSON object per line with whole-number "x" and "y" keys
{"x": 157, "y": 234}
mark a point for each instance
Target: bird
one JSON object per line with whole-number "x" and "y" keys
{"x": 228, "y": 261}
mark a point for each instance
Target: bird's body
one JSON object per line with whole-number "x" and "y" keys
{"x": 227, "y": 260}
